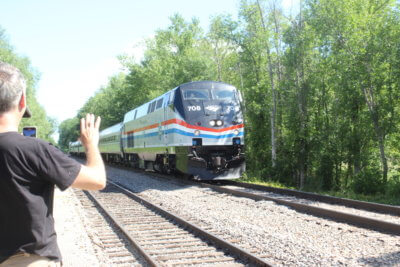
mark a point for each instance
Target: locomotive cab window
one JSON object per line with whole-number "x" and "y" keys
{"x": 168, "y": 99}
{"x": 224, "y": 94}
{"x": 196, "y": 94}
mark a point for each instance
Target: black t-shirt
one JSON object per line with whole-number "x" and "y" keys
{"x": 29, "y": 169}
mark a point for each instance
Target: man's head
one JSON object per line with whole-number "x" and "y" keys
{"x": 12, "y": 89}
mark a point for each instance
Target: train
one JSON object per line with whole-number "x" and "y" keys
{"x": 196, "y": 129}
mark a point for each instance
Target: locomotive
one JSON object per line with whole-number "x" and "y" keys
{"x": 196, "y": 129}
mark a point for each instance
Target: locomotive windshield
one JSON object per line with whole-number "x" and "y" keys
{"x": 224, "y": 94}
{"x": 196, "y": 94}
{"x": 204, "y": 94}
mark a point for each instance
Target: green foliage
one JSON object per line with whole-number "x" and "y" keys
{"x": 174, "y": 56}
{"x": 393, "y": 188}
{"x": 44, "y": 124}
{"x": 320, "y": 89}
{"x": 69, "y": 132}
{"x": 110, "y": 102}
{"x": 255, "y": 180}
{"x": 325, "y": 172}
{"x": 368, "y": 181}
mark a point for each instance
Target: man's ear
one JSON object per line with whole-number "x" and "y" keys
{"x": 22, "y": 102}
{"x": 22, "y": 106}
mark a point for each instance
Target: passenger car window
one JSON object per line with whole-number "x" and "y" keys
{"x": 153, "y": 105}
{"x": 159, "y": 103}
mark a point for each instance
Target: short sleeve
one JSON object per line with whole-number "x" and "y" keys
{"x": 56, "y": 167}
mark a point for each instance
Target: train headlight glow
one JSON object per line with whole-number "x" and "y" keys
{"x": 219, "y": 122}
{"x": 236, "y": 132}
{"x": 212, "y": 123}
{"x": 197, "y": 133}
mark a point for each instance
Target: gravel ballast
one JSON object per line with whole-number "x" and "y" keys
{"x": 280, "y": 234}
{"x": 337, "y": 207}
{"x": 76, "y": 246}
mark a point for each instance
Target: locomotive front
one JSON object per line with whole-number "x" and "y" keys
{"x": 213, "y": 111}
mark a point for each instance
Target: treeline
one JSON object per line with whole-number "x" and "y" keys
{"x": 321, "y": 89}
{"x": 46, "y": 126}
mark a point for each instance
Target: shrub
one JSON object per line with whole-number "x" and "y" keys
{"x": 393, "y": 186}
{"x": 325, "y": 172}
{"x": 368, "y": 181}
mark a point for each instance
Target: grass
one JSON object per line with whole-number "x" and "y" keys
{"x": 378, "y": 198}
{"x": 388, "y": 198}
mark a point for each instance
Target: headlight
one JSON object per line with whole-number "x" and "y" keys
{"x": 212, "y": 123}
{"x": 236, "y": 132}
{"x": 197, "y": 133}
{"x": 219, "y": 122}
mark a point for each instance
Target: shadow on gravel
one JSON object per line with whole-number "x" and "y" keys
{"x": 139, "y": 181}
{"x": 390, "y": 259}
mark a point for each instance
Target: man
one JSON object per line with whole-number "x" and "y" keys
{"x": 29, "y": 169}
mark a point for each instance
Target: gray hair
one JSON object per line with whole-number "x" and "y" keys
{"x": 12, "y": 84}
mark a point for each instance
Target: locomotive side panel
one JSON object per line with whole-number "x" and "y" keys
{"x": 147, "y": 133}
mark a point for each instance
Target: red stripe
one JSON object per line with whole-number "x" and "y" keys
{"x": 144, "y": 128}
{"x": 187, "y": 125}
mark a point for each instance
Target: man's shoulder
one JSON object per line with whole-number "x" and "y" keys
{"x": 14, "y": 139}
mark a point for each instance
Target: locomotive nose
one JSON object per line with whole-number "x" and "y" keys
{"x": 212, "y": 108}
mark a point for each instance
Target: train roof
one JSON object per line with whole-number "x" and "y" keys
{"x": 205, "y": 84}
{"x": 76, "y": 143}
{"x": 112, "y": 129}
{"x": 142, "y": 110}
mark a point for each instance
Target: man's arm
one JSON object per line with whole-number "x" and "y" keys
{"x": 92, "y": 175}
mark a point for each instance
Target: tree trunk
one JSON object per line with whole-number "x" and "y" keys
{"x": 302, "y": 102}
{"x": 273, "y": 90}
{"x": 372, "y": 107}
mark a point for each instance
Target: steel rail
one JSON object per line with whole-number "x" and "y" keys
{"x": 360, "y": 221}
{"x": 365, "y": 222}
{"x": 364, "y": 205}
{"x": 223, "y": 244}
{"x": 131, "y": 239}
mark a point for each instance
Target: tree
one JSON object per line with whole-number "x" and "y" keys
{"x": 361, "y": 35}
{"x": 45, "y": 125}
{"x": 69, "y": 132}
{"x": 110, "y": 102}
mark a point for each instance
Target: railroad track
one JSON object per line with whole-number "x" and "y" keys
{"x": 114, "y": 246}
{"x": 149, "y": 235}
{"x": 303, "y": 202}
{"x": 298, "y": 203}
{"x": 309, "y": 203}
{"x": 363, "y": 205}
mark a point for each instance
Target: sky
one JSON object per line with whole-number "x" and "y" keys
{"x": 74, "y": 44}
